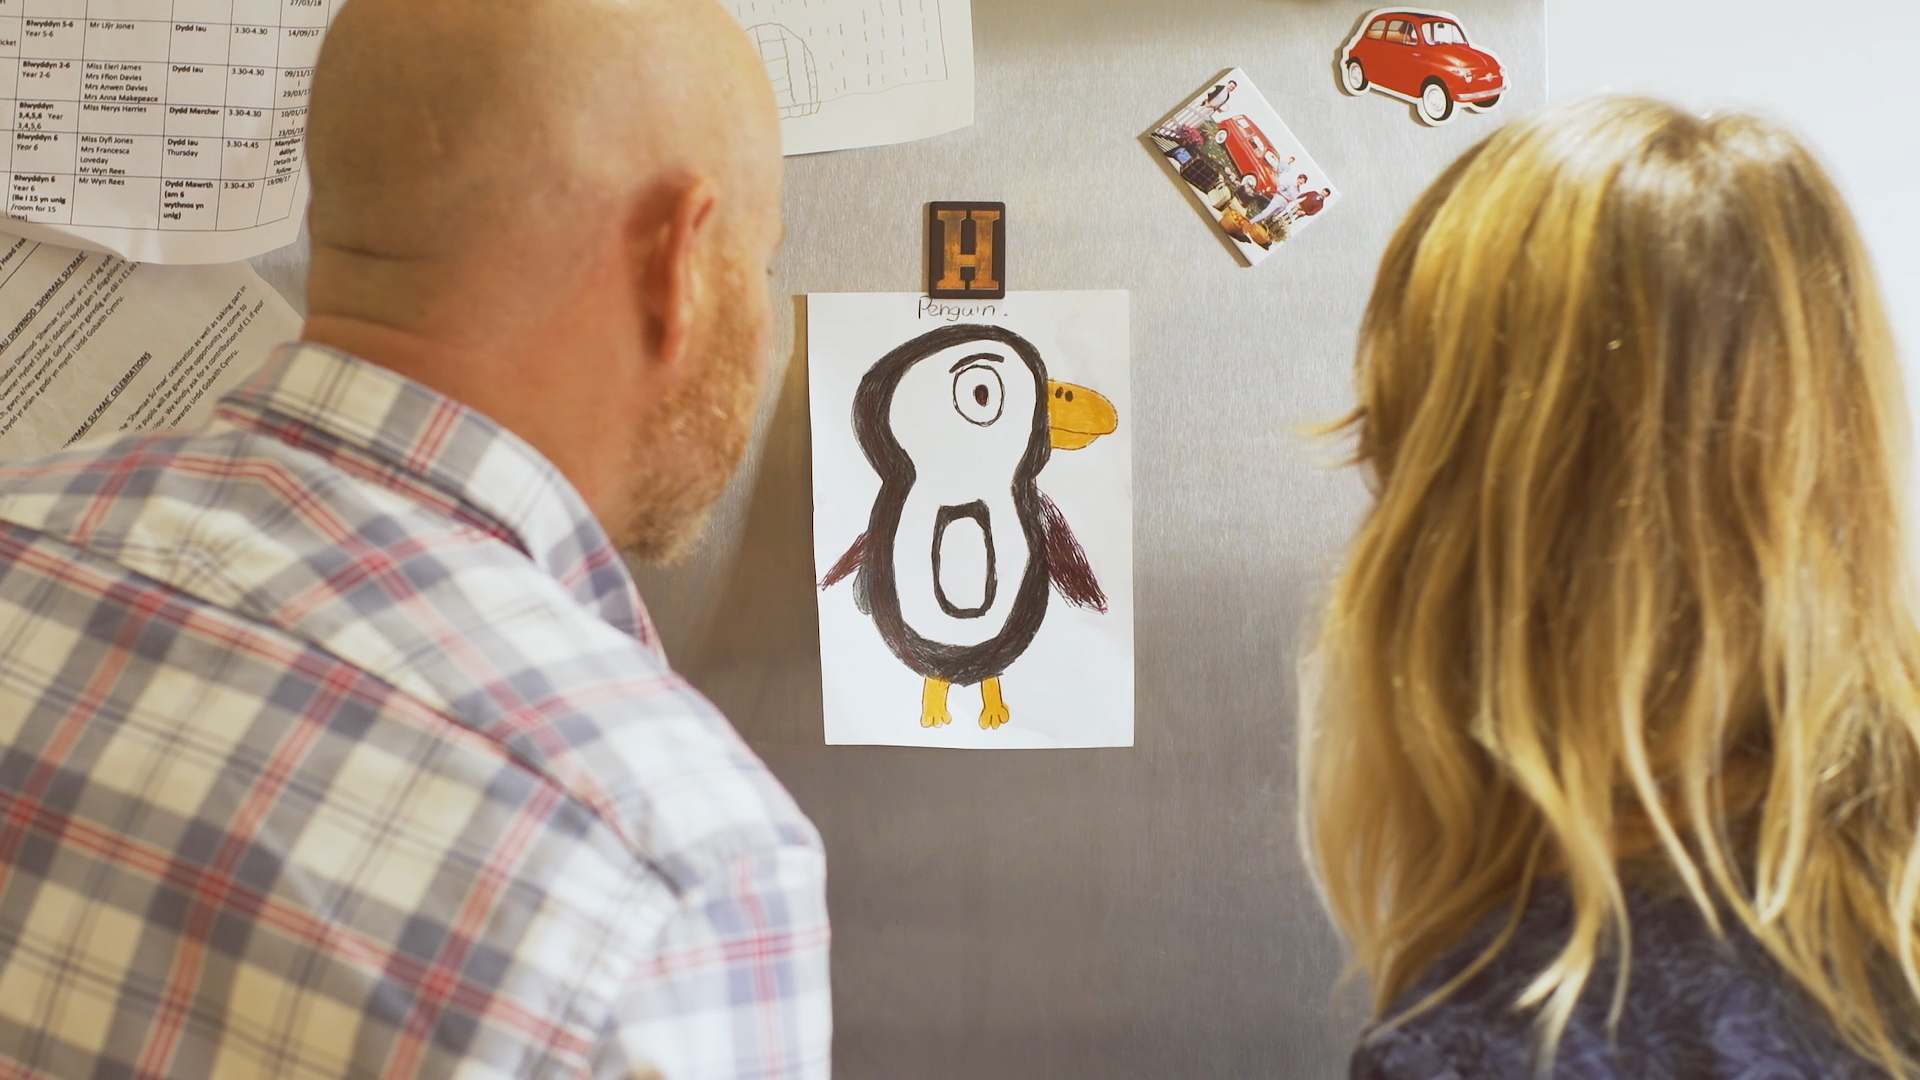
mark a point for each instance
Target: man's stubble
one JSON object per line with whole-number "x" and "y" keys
{"x": 684, "y": 459}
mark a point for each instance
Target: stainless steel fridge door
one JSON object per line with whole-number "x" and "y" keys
{"x": 1113, "y": 913}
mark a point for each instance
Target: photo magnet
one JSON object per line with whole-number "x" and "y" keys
{"x": 1243, "y": 166}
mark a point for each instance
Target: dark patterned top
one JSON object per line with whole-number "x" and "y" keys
{"x": 1696, "y": 1008}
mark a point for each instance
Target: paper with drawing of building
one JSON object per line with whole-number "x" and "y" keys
{"x": 849, "y": 73}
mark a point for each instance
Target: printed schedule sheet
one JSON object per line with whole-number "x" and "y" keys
{"x": 160, "y": 130}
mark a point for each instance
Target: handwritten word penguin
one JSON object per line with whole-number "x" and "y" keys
{"x": 961, "y": 546}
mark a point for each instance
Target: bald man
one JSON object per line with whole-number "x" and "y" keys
{"x": 334, "y": 737}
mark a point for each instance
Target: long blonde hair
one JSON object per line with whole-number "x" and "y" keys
{"x": 1632, "y": 604}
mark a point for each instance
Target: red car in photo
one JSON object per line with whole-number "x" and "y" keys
{"x": 1259, "y": 163}
{"x": 1423, "y": 57}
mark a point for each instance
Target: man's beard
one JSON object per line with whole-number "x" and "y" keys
{"x": 686, "y": 456}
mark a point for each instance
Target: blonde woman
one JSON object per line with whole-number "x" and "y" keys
{"x": 1613, "y": 765}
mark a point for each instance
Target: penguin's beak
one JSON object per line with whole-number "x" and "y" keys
{"x": 1078, "y": 416}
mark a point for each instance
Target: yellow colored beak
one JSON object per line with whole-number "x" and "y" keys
{"x": 1078, "y": 415}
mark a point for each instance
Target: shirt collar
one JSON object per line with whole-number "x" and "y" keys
{"x": 442, "y": 453}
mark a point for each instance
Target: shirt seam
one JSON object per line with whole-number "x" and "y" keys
{"x": 650, "y": 865}
{"x": 377, "y": 459}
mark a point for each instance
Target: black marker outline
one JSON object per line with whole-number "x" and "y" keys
{"x": 999, "y": 408}
{"x": 872, "y": 403}
{"x": 974, "y": 511}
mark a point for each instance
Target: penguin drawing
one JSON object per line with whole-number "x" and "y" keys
{"x": 961, "y": 546}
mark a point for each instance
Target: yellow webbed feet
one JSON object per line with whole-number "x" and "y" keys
{"x": 993, "y": 709}
{"x": 933, "y": 705}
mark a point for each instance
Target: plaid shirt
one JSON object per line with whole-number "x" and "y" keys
{"x": 335, "y": 741}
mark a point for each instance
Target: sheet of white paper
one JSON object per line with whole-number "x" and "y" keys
{"x": 168, "y": 131}
{"x": 950, "y": 417}
{"x": 92, "y": 345}
{"x": 850, "y": 73}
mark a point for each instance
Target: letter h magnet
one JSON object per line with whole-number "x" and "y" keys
{"x": 967, "y": 250}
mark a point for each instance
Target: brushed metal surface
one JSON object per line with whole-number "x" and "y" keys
{"x": 1092, "y": 913}
{"x": 1113, "y": 913}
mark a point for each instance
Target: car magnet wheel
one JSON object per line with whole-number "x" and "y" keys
{"x": 1220, "y": 136}
{"x": 1357, "y": 81}
{"x": 1436, "y": 105}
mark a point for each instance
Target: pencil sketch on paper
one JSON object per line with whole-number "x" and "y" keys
{"x": 796, "y": 83}
{"x": 911, "y": 60}
{"x": 962, "y": 548}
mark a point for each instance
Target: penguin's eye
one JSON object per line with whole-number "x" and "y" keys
{"x": 978, "y": 394}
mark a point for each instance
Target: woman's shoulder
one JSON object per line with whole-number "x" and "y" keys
{"x": 1697, "y": 1006}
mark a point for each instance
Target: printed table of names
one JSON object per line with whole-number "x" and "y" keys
{"x": 183, "y": 115}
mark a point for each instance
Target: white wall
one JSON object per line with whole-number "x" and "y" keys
{"x": 1845, "y": 73}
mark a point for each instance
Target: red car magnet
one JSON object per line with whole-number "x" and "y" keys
{"x": 1423, "y": 57}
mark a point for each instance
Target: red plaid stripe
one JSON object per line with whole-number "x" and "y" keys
{"x": 459, "y": 853}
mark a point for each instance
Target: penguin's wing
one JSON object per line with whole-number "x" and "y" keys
{"x": 1067, "y": 562}
{"x": 851, "y": 561}
{"x": 854, "y": 559}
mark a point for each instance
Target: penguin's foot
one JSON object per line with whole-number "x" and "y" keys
{"x": 933, "y": 705}
{"x": 993, "y": 710}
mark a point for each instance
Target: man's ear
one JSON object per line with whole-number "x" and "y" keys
{"x": 672, "y": 247}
